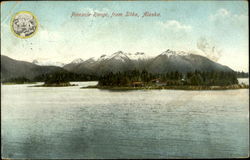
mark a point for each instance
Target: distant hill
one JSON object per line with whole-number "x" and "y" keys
{"x": 11, "y": 68}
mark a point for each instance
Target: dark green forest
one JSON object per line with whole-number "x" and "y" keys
{"x": 63, "y": 77}
{"x": 55, "y": 77}
{"x": 242, "y": 74}
{"x": 18, "y": 80}
{"x": 135, "y": 77}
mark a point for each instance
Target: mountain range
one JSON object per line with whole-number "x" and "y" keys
{"x": 165, "y": 62}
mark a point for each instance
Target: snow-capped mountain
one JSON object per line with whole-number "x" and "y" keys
{"x": 47, "y": 63}
{"x": 167, "y": 61}
{"x": 169, "y": 53}
{"x": 103, "y": 57}
{"x": 78, "y": 60}
{"x": 122, "y": 56}
{"x": 91, "y": 60}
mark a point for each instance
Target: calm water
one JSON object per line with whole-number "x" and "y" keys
{"x": 68, "y": 122}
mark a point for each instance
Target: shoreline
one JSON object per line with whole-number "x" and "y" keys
{"x": 55, "y": 85}
{"x": 11, "y": 83}
{"x": 238, "y": 86}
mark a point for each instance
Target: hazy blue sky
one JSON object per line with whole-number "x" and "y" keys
{"x": 218, "y": 30}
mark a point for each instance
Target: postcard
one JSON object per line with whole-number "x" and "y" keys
{"x": 124, "y": 79}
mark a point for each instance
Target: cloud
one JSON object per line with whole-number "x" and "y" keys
{"x": 221, "y": 13}
{"x": 175, "y": 25}
{"x": 223, "y": 16}
{"x": 209, "y": 48}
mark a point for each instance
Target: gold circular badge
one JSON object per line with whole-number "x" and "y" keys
{"x": 24, "y": 24}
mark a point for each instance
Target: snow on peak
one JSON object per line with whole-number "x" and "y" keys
{"x": 47, "y": 63}
{"x": 122, "y": 56}
{"x": 119, "y": 56}
{"x": 169, "y": 52}
{"x": 119, "y": 53}
{"x": 78, "y": 60}
{"x": 91, "y": 60}
{"x": 138, "y": 56}
{"x": 103, "y": 57}
{"x": 132, "y": 56}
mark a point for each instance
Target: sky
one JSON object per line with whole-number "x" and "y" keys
{"x": 215, "y": 29}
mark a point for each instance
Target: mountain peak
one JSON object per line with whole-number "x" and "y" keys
{"x": 78, "y": 60}
{"x": 119, "y": 52}
{"x": 169, "y": 52}
{"x": 103, "y": 57}
{"x": 91, "y": 60}
{"x": 119, "y": 56}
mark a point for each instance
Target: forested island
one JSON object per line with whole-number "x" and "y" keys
{"x": 135, "y": 79}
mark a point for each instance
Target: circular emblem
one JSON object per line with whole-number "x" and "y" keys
{"x": 24, "y": 24}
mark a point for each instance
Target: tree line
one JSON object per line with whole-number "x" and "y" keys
{"x": 18, "y": 80}
{"x": 63, "y": 77}
{"x": 242, "y": 74}
{"x": 127, "y": 78}
{"x": 54, "y": 77}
